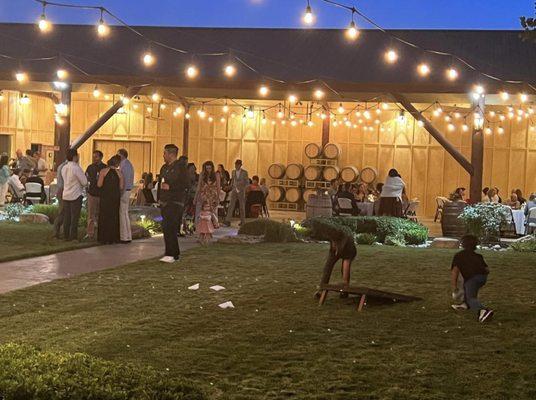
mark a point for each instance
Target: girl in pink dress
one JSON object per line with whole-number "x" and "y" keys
{"x": 207, "y": 223}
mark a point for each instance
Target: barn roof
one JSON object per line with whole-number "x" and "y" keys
{"x": 292, "y": 55}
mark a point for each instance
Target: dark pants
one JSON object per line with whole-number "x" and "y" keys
{"x": 328, "y": 267}
{"x": 171, "y": 221}
{"x": 71, "y": 211}
{"x": 58, "y": 222}
{"x": 471, "y": 287}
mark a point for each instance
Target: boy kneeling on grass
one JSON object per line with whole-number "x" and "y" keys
{"x": 474, "y": 271}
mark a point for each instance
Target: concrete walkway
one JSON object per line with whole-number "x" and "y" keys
{"x": 19, "y": 274}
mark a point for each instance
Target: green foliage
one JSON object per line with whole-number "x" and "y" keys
{"x": 411, "y": 232}
{"x": 50, "y": 210}
{"x": 484, "y": 220}
{"x": 273, "y": 231}
{"x": 525, "y": 246}
{"x": 13, "y": 211}
{"x": 395, "y": 240}
{"x": 83, "y": 217}
{"x": 30, "y": 374}
{"x": 152, "y": 226}
{"x": 366, "y": 238}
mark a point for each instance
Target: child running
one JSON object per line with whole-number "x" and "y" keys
{"x": 474, "y": 271}
{"x": 206, "y": 224}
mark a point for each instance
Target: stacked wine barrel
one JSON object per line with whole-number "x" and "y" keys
{"x": 286, "y": 187}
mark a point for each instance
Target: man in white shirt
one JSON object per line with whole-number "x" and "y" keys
{"x": 74, "y": 181}
{"x": 41, "y": 164}
{"x": 15, "y": 184}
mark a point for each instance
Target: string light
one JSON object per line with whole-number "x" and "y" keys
{"x": 250, "y": 113}
{"x": 192, "y": 71}
{"x": 61, "y": 74}
{"x": 352, "y": 33}
{"x": 500, "y": 130}
{"x": 163, "y": 106}
{"x": 420, "y": 123}
{"x": 452, "y": 74}
{"x": 44, "y": 24}
{"x": 149, "y": 109}
{"x": 523, "y": 97}
{"x": 504, "y": 96}
{"x": 125, "y": 100}
{"x": 225, "y": 108}
{"x": 202, "y": 113}
{"x": 96, "y": 92}
{"x": 264, "y": 90}
{"x": 155, "y": 97}
{"x": 230, "y": 70}
{"x": 102, "y": 28}
{"x": 391, "y": 56}
{"x": 293, "y": 99}
{"x": 222, "y": 120}
{"x": 187, "y": 116}
{"x": 465, "y": 127}
{"x": 423, "y": 69}
{"x": 24, "y": 99}
{"x": 478, "y": 92}
{"x": 488, "y": 131}
{"x": 21, "y": 76}
{"x": 366, "y": 114}
{"x": 210, "y": 119}
{"x": 308, "y": 16}
{"x": 319, "y": 94}
{"x": 451, "y": 126}
{"x": 384, "y": 106}
{"x": 148, "y": 59}
{"x": 401, "y": 117}
{"x": 340, "y": 110}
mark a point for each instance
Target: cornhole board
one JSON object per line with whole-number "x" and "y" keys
{"x": 363, "y": 292}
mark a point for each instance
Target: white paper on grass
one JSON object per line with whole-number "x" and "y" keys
{"x": 194, "y": 287}
{"x": 217, "y": 288}
{"x": 227, "y": 304}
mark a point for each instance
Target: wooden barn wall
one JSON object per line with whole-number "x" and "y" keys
{"x": 509, "y": 159}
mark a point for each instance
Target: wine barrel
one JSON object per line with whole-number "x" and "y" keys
{"x": 349, "y": 174}
{"x": 331, "y": 172}
{"x": 313, "y": 173}
{"x": 332, "y": 150}
{"x": 307, "y": 193}
{"x": 318, "y": 205}
{"x": 294, "y": 171}
{"x": 276, "y": 193}
{"x": 451, "y": 225}
{"x": 369, "y": 175}
{"x": 276, "y": 171}
{"x": 293, "y": 195}
{"x": 312, "y": 150}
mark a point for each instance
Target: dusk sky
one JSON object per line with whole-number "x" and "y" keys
{"x": 415, "y": 14}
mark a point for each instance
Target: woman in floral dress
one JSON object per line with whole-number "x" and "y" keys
{"x": 208, "y": 189}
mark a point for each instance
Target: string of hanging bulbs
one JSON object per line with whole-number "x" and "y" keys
{"x": 229, "y": 70}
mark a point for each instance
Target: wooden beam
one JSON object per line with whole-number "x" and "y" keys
{"x": 185, "y": 130}
{"x": 453, "y": 151}
{"x": 131, "y": 92}
{"x": 477, "y": 159}
{"x": 62, "y": 131}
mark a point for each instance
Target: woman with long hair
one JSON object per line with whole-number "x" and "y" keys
{"x": 208, "y": 189}
{"x": 225, "y": 177}
{"x": 110, "y": 183}
{"x": 391, "y": 195}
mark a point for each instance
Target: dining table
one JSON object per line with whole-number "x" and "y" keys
{"x": 519, "y": 221}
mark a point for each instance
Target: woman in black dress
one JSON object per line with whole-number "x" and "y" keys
{"x": 110, "y": 183}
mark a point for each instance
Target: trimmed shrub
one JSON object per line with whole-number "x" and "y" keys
{"x": 272, "y": 231}
{"x": 50, "y": 210}
{"x": 13, "y": 211}
{"x": 395, "y": 240}
{"x": 525, "y": 246}
{"x": 150, "y": 225}
{"x": 366, "y": 238}
{"x": 30, "y": 374}
{"x": 381, "y": 227}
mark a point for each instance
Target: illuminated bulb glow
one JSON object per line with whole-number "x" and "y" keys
{"x": 225, "y": 108}
{"x": 102, "y": 29}
{"x": 452, "y": 74}
{"x": 264, "y": 90}
{"x": 451, "y": 127}
{"x": 385, "y": 106}
{"x": 230, "y": 70}
{"x": 340, "y": 110}
{"x": 308, "y": 16}
{"x": 21, "y": 77}
{"x": 44, "y": 24}
{"x": 61, "y": 74}
{"x": 192, "y": 72}
{"x": 250, "y": 113}
{"x": 292, "y": 99}
{"x": 504, "y": 96}
{"x": 465, "y": 127}
{"x": 500, "y": 130}
{"x": 319, "y": 94}
{"x": 125, "y": 100}
{"x": 487, "y": 131}
{"x": 61, "y": 109}
{"x": 155, "y": 97}
{"x": 148, "y": 59}
{"x": 163, "y": 106}
{"x": 420, "y": 123}
{"x": 423, "y": 69}
{"x": 523, "y": 97}
{"x": 149, "y": 109}
{"x": 179, "y": 110}
{"x": 96, "y": 93}
{"x": 352, "y": 33}
{"x": 391, "y": 56}
{"x": 24, "y": 99}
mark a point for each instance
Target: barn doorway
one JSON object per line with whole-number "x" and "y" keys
{"x": 139, "y": 153}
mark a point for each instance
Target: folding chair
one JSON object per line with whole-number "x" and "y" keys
{"x": 531, "y": 220}
{"x": 345, "y": 206}
{"x": 33, "y": 193}
{"x": 509, "y": 227}
{"x": 255, "y": 199}
{"x": 411, "y": 210}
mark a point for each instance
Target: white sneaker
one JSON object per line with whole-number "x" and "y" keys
{"x": 459, "y": 307}
{"x": 168, "y": 259}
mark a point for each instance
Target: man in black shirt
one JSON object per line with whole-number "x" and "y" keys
{"x": 474, "y": 271}
{"x": 93, "y": 199}
{"x": 173, "y": 183}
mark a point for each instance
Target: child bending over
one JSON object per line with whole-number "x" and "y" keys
{"x": 474, "y": 271}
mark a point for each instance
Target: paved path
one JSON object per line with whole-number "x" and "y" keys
{"x": 19, "y": 274}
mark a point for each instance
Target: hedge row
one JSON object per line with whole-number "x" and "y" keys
{"x": 29, "y": 374}
{"x": 272, "y": 231}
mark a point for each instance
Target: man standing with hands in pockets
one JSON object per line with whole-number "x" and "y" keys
{"x": 173, "y": 182}
{"x": 239, "y": 182}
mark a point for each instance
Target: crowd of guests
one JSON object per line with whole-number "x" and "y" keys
{"x": 389, "y": 198}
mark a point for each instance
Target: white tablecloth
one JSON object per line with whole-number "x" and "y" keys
{"x": 366, "y": 208}
{"x": 519, "y": 221}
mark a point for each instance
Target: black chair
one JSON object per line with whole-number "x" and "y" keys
{"x": 255, "y": 198}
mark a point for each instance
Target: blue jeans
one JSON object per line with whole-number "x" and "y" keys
{"x": 471, "y": 287}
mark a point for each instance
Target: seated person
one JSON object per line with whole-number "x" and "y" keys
{"x": 492, "y": 196}
{"x": 333, "y": 188}
{"x": 254, "y": 198}
{"x": 15, "y": 184}
{"x": 520, "y": 197}
{"x": 485, "y": 198}
{"x": 39, "y": 180}
{"x": 458, "y": 195}
{"x": 362, "y": 193}
{"x": 531, "y": 203}
{"x": 263, "y": 187}
{"x": 254, "y": 186}
{"x": 513, "y": 202}
{"x": 346, "y": 193}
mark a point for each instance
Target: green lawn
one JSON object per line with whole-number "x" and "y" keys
{"x": 277, "y": 343}
{"x": 31, "y": 240}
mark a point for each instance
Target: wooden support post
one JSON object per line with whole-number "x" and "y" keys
{"x": 326, "y": 124}
{"x": 62, "y": 131}
{"x": 453, "y": 151}
{"x": 131, "y": 92}
{"x": 477, "y": 159}
{"x": 185, "y": 131}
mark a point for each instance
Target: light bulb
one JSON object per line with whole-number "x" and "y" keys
{"x": 340, "y": 110}
{"x": 523, "y": 97}
{"x": 500, "y": 130}
{"x": 465, "y": 127}
{"x": 24, "y": 99}
{"x": 202, "y": 113}
{"x": 96, "y": 92}
{"x": 478, "y": 92}
{"x": 187, "y": 115}
{"x": 155, "y": 97}
{"x": 225, "y": 108}
{"x": 44, "y": 24}
{"x": 451, "y": 127}
{"x": 504, "y": 96}
{"x": 21, "y": 76}
{"x": 264, "y": 90}
{"x": 179, "y": 110}
{"x": 420, "y": 123}
{"x": 492, "y": 114}
{"x": 61, "y": 74}
{"x": 192, "y": 72}
{"x": 448, "y": 118}
{"x": 401, "y": 117}
{"x": 391, "y": 56}
{"x": 280, "y": 114}
{"x": 488, "y": 131}
{"x": 423, "y": 69}
{"x": 222, "y": 120}
{"x": 148, "y": 59}
{"x": 149, "y": 109}
{"x": 385, "y": 106}
{"x": 308, "y": 16}
{"x": 230, "y": 70}
{"x": 163, "y": 106}
{"x": 102, "y": 28}
{"x": 366, "y": 114}
{"x": 250, "y": 113}
{"x": 319, "y": 94}
{"x": 352, "y": 33}
{"x": 292, "y": 99}
{"x": 452, "y": 74}
{"x": 210, "y": 119}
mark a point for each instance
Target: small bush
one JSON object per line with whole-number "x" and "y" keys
{"x": 395, "y": 240}
{"x": 273, "y": 231}
{"x": 13, "y": 211}
{"x": 366, "y": 238}
{"x": 50, "y": 210}
{"x": 525, "y": 246}
{"x": 30, "y": 374}
{"x": 83, "y": 217}
{"x": 152, "y": 226}
{"x": 256, "y": 227}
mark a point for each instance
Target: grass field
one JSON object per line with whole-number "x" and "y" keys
{"x": 277, "y": 343}
{"x": 30, "y": 240}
